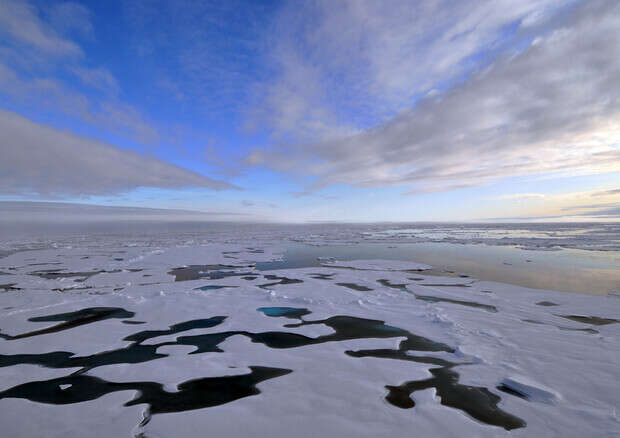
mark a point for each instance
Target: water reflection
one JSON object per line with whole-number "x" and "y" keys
{"x": 570, "y": 270}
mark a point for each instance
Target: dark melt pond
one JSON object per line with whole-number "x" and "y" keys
{"x": 478, "y": 402}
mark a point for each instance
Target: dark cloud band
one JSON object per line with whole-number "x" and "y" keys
{"x": 40, "y": 160}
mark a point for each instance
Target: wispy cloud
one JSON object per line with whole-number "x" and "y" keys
{"x": 609, "y": 212}
{"x": 42, "y": 161}
{"x": 312, "y": 193}
{"x": 55, "y": 96}
{"x": 209, "y": 48}
{"x": 98, "y": 78}
{"x": 43, "y": 41}
{"x": 606, "y": 192}
{"x": 601, "y": 209}
{"x": 552, "y": 107}
{"x": 22, "y": 22}
{"x": 599, "y": 206}
{"x": 71, "y": 17}
{"x": 519, "y": 196}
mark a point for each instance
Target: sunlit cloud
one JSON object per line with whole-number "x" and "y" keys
{"x": 582, "y": 205}
{"x": 552, "y": 108}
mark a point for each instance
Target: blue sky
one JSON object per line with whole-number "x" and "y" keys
{"x": 345, "y": 110}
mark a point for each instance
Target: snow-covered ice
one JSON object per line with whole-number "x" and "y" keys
{"x": 104, "y": 337}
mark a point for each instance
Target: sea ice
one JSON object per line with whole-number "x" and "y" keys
{"x": 127, "y": 349}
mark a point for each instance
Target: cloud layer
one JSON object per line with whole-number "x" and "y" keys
{"x": 40, "y": 45}
{"x": 17, "y": 214}
{"x": 339, "y": 64}
{"x": 551, "y": 107}
{"x": 42, "y": 161}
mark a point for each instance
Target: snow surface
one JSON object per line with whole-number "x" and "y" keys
{"x": 567, "y": 370}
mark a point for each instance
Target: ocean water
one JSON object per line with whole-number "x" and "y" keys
{"x": 570, "y": 270}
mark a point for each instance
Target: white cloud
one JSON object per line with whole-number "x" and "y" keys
{"x": 554, "y": 107}
{"x": 339, "y": 64}
{"x": 38, "y": 47}
{"x": 42, "y": 161}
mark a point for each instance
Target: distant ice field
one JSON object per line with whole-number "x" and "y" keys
{"x": 580, "y": 257}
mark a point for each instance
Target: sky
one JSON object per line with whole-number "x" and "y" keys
{"x": 321, "y": 110}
